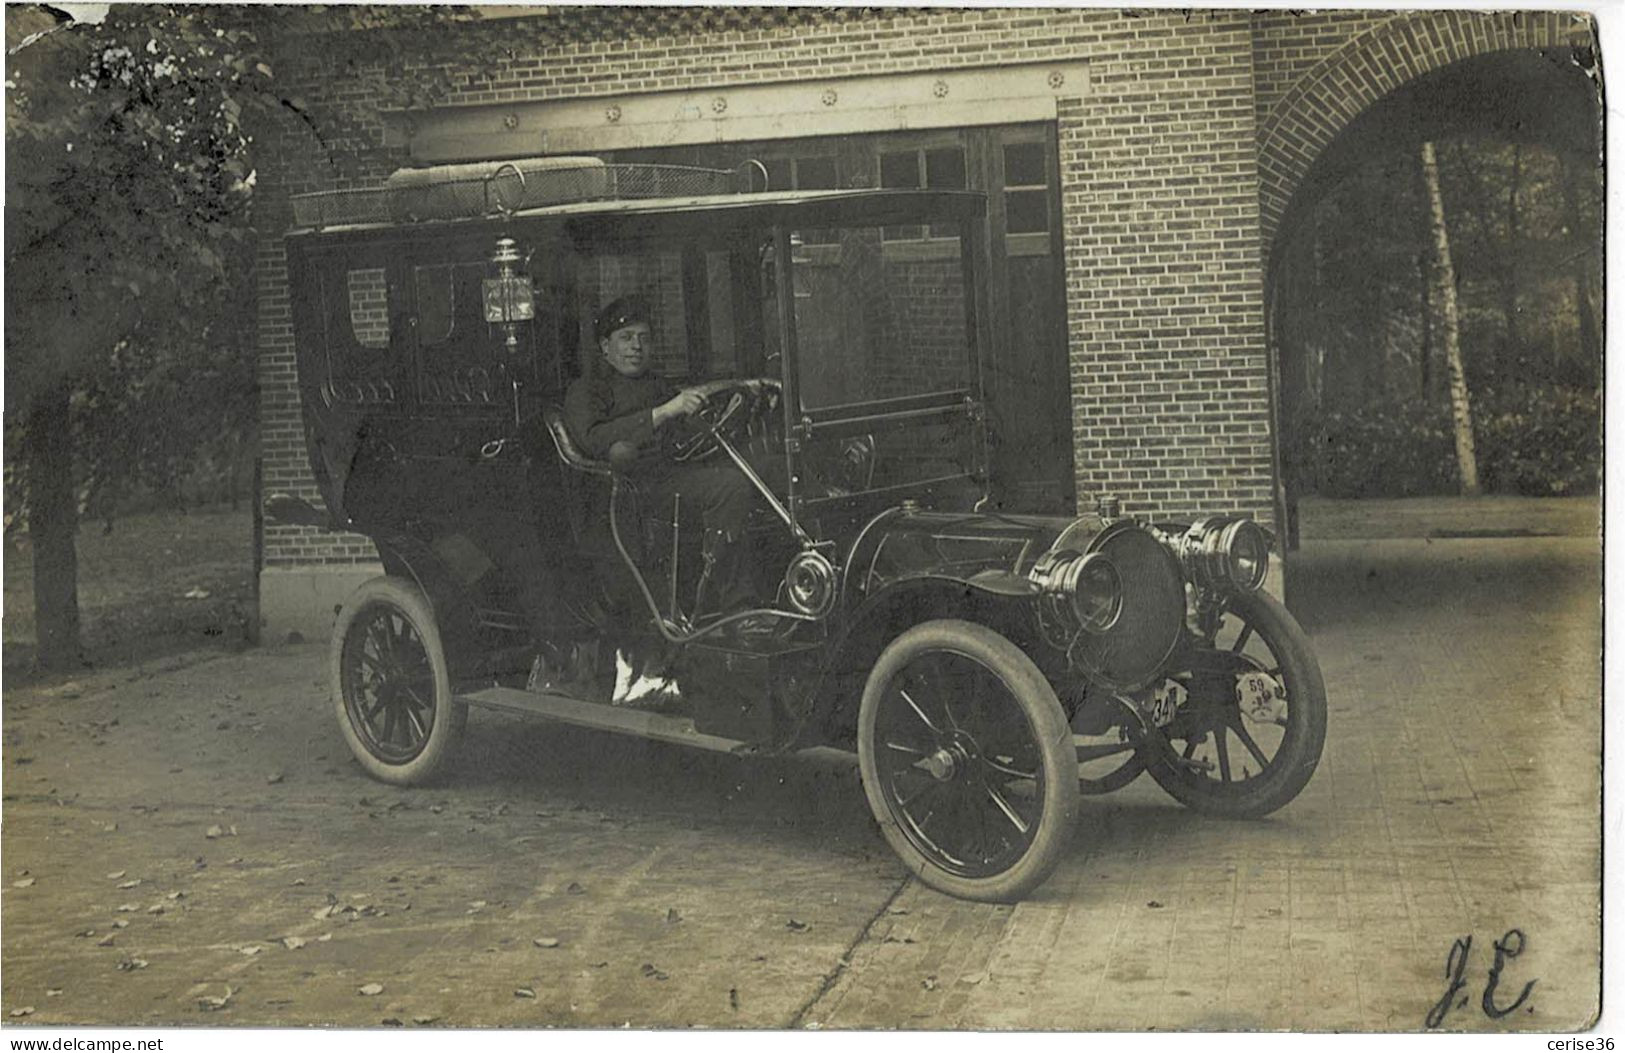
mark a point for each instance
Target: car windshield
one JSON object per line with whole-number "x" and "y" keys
{"x": 881, "y": 312}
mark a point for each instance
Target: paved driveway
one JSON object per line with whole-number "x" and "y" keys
{"x": 194, "y": 846}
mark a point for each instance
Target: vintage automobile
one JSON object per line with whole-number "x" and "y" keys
{"x": 986, "y": 667}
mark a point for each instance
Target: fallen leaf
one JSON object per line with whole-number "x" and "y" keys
{"x": 85, "y": 932}
{"x": 177, "y": 894}
{"x": 424, "y": 1019}
{"x": 797, "y": 926}
{"x": 370, "y": 989}
{"x": 973, "y": 978}
{"x": 156, "y": 908}
{"x": 23, "y": 1010}
{"x": 53, "y": 992}
{"x": 298, "y": 881}
{"x": 196, "y": 592}
{"x": 110, "y": 828}
{"x": 523, "y": 992}
{"x": 24, "y": 883}
{"x": 546, "y": 941}
{"x": 115, "y": 875}
{"x": 274, "y": 778}
{"x": 1154, "y": 905}
{"x": 214, "y": 1003}
{"x": 127, "y": 908}
{"x": 120, "y": 923}
{"x": 250, "y": 951}
{"x": 129, "y": 884}
{"x": 293, "y": 943}
{"x": 213, "y": 832}
{"x": 896, "y": 910}
{"x": 324, "y": 937}
{"x": 130, "y": 965}
{"x": 651, "y": 972}
{"x": 476, "y": 906}
{"x": 105, "y": 941}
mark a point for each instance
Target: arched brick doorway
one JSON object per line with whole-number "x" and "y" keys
{"x": 1410, "y": 78}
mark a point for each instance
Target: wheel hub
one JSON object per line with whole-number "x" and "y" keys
{"x": 942, "y": 764}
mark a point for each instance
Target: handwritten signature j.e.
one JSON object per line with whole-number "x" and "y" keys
{"x": 1455, "y": 967}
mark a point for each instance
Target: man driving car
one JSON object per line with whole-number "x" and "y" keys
{"x": 623, "y": 412}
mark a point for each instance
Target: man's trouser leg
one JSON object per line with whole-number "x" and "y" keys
{"x": 720, "y": 496}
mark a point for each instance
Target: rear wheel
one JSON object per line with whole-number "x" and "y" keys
{"x": 967, "y": 761}
{"x": 391, "y": 684}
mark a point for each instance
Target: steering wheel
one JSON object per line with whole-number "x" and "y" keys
{"x": 730, "y": 407}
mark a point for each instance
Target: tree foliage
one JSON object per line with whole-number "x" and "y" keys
{"x": 128, "y": 343}
{"x": 1364, "y": 369}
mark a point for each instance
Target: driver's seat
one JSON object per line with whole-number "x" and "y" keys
{"x": 571, "y": 454}
{"x": 579, "y": 498}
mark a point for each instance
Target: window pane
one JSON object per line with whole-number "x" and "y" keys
{"x": 369, "y": 307}
{"x": 900, "y": 170}
{"x": 1028, "y": 211}
{"x": 1024, "y": 165}
{"x": 945, "y": 168}
{"x": 879, "y": 323}
{"x": 815, "y": 173}
{"x": 778, "y": 173}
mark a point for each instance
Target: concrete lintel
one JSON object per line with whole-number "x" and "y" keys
{"x": 889, "y": 102}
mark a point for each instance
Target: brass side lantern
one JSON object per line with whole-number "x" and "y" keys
{"x": 509, "y": 297}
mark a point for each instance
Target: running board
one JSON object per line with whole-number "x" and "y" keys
{"x": 625, "y": 720}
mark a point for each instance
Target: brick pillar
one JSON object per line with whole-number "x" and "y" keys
{"x": 1165, "y": 308}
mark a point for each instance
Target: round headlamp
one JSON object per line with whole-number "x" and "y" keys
{"x": 1085, "y": 591}
{"x": 1226, "y": 553}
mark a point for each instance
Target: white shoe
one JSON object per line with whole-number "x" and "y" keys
{"x": 623, "y": 678}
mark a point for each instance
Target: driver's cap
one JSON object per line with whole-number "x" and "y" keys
{"x": 618, "y": 313}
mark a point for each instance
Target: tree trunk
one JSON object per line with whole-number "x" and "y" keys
{"x": 1509, "y": 273}
{"x": 53, "y": 521}
{"x": 1449, "y": 327}
{"x": 1590, "y": 339}
{"x": 1424, "y": 270}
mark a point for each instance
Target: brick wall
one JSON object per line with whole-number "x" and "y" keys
{"x": 1163, "y": 288}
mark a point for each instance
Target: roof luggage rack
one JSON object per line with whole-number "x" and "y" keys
{"x": 494, "y": 188}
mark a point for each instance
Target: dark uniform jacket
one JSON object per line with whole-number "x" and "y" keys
{"x": 602, "y": 410}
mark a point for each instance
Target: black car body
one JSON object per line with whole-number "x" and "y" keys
{"x": 985, "y": 666}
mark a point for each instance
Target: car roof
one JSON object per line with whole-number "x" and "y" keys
{"x": 805, "y": 207}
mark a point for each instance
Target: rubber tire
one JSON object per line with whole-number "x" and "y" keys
{"x": 450, "y": 717}
{"x": 1305, "y": 737}
{"x": 1059, "y": 757}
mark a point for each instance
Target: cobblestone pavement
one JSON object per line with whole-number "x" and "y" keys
{"x": 1459, "y": 795}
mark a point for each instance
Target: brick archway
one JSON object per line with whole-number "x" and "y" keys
{"x": 1373, "y": 63}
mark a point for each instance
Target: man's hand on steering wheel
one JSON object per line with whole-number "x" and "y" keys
{"x": 683, "y": 404}
{"x": 727, "y": 407}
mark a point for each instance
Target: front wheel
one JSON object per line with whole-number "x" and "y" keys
{"x": 391, "y": 683}
{"x": 967, "y": 761}
{"x": 1251, "y": 716}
